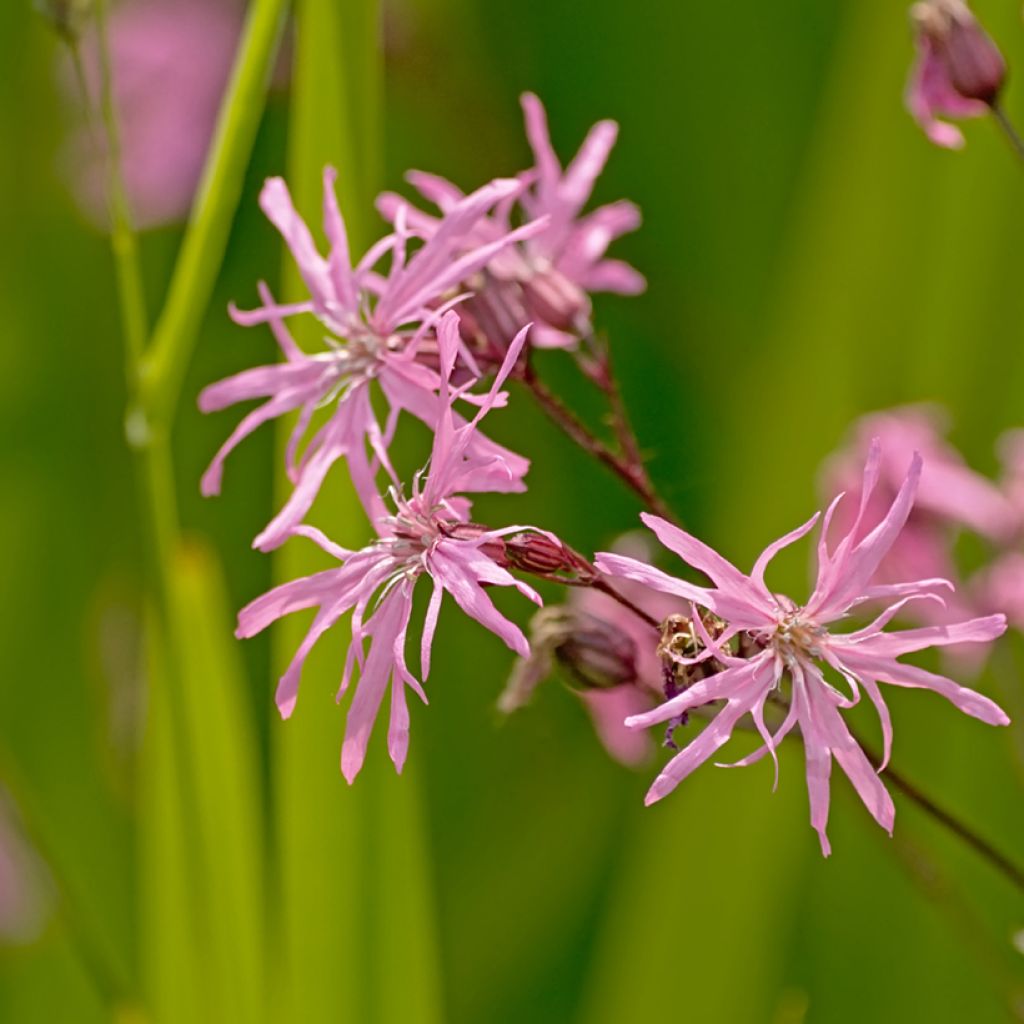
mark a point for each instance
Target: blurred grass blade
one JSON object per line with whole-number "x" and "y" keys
{"x": 355, "y": 880}
{"x": 204, "y": 886}
{"x": 694, "y": 903}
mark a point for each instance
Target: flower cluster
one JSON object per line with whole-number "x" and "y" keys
{"x": 403, "y": 323}
{"x": 435, "y": 320}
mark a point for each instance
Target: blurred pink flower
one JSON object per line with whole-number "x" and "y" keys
{"x": 548, "y": 278}
{"x": 379, "y": 328}
{"x": 429, "y": 534}
{"x": 951, "y": 496}
{"x": 958, "y": 72}
{"x": 23, "y": 898}
{"x": 171, "y": 60}
{"x": 796, "y": 642}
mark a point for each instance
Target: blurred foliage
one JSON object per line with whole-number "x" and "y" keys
{"x": 810, "y": 257}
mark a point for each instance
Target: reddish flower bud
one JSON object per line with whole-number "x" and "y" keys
{"x": 543, "y": 554}
{"x": 973, "y": 63}
{"x": 958, "y": 72}
{"x": 594, "y": 654}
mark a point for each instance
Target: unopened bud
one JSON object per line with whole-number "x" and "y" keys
{"x": 552, "y": 298}
{"x": 972, "y": 61}
{"x": 595, "y": 654}
{"x": 66, "y": 17}
{"x": 543, "y": 554}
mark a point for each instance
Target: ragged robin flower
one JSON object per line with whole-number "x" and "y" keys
{"x": 797, "y": 648}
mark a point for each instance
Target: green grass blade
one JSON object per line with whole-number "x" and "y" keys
{"x": 354, "y": 886}
{"x": 204, "y": 903}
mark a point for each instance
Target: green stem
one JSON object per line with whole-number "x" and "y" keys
{"x": 123, "y": 240}
{"x": 202, "y": 251}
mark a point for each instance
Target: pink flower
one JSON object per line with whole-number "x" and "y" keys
{"x": 958, "y": 72}
{"x": 546, "y": 279}
{"x": 430, "y": 535}
{"x": 796, "y": 643}
{"x": 388, "y": 330}
{"x": 170, "y": 63}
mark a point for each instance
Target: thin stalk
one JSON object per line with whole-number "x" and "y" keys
{"x": 1012, "y": 136}
{"x": 578, "y": 432}
{"x": 985, "y": 849}
{"x": 202, "y": 251}
{"x": 123, "y": 240}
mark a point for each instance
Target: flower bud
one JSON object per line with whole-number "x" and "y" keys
{"x": 543, "y": 554}
{"x": 972, "y": 62}
{"x": 553, "y": 299}
{"x": 595, "y": 654}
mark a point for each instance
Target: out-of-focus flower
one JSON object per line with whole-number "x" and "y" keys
{"x": 795, "y": 642}
{"x": 606, "y": 651}
{"x": 951, "y": 496}
{"x": 428, "y": 534}
{"x": 1000, "y": 585}
{"x": 547, "y": 279}
{"x": 958, "y": 72}
{"x": 378, "y": 328}
{"x": 170, "y": 63}
{"x": 23, "y": 896}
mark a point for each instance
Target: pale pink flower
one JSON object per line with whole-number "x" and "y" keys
{"x": 170, "y": 64}
{"x": 1000, "y": 585}
{"x": 951, "y": 496}
{"x": 24, "y": 901}
{"x": 796, "y": 642}
{"x": 430, "y": 535}
{"x": 547, "y": 279}
{"x": 377, "y": 329}
{"x": 958, "y": 72}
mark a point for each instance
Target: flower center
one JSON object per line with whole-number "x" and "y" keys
{"x": 796, "y": 637}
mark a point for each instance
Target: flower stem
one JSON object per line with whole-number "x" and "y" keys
{"x": 123, "y": 240}
{"x": 632, "y": 472}
{"x": 1012, "y": 136}
{"x": 986, "y": 850}
{"x": 174, "y": 338}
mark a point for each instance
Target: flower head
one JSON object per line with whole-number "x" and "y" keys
{"x": 546, "y": 279}
{"x": 798, "y": 643}
{"x": 378, "y": 328}
{"x": 428, "y": 533}
{"x": 958, "y": 73}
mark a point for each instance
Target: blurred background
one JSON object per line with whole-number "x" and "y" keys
{"x": 809, "y": 256}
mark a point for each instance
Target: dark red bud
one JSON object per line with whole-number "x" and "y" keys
{"x": 554, "y": 299}
{"x": 541, "y": 554}
{"x": 975, "y": 67}
{"x": 596, "y": 655}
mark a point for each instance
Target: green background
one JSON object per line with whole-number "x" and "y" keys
{"x": 810, "y": 257}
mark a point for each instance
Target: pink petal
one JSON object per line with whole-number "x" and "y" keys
{"x": 887, "y": 670}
